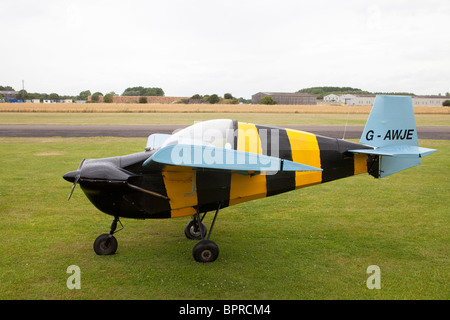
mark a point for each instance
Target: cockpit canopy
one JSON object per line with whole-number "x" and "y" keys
{"x": 217, "y": 133}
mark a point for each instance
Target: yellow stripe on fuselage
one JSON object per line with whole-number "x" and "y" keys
{"x": 305, "y": 150}
{"x": 248, "y": 138}
{"x": 178, "y": 183}
{"x": 244, "y": 188}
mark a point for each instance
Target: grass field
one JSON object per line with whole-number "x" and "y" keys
{"x": 189, "y": 118}
{"x": 314, "y": 243}
{"x": 198, "y": 108}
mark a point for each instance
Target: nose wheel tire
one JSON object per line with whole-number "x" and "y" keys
{"x": 205, "y": 251}
{"x": 105, "y": 244}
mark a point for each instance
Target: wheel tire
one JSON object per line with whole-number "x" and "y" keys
{"x": 105, "y": 244}
{"x": 205, "y": 251}
{"x": 191, "y": 233}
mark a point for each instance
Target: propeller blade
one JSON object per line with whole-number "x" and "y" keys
{"x": 74, "y": 176}
{"x": 73, "y": 186}
{"x": 81, "y": 164}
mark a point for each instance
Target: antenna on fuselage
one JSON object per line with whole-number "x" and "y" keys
{"x": 346, "y": 122}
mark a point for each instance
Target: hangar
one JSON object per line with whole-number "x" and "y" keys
{"x": 368, "y": 100}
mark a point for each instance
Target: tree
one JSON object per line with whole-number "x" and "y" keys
{"x": 141, "y": 91}
{"x": 84, "y": 94}
{"x": 142, "y": 99}
{"x": 108, "y": 98}
{"x": 267, "y": 100}
{"x": 23, "y": 94}
{"x": 95, "y": 96}
{"x": 228, "y": 96}
{"x": 53, "y": 96}
{"x": 197, "y": 96}
{"x": 446, "y": 103}
{"x": 242, "y": 100}
{"x": 214, "y": 98}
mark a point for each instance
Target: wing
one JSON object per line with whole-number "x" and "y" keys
{"x": 213, "y": 158}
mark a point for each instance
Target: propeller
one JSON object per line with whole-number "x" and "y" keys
{"x": 74, "y": 176}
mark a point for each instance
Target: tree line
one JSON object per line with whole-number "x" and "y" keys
{"x": 83, "y": 95}
{"x": 214, "y": 98}
{"x": 138, "y": 91}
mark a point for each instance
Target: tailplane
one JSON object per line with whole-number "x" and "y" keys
{"x": 391, "y": 131}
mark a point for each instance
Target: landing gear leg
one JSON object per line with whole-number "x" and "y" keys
{"x": 206, "y": 250}
{"x": 106, "y": 244}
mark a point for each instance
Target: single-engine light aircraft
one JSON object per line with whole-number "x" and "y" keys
{"x": 219, "y": 163}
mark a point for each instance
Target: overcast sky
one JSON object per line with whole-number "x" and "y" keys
{"x": 236, "y": 46}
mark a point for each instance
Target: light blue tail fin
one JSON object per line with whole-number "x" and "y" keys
{"x": 391, "y": 131}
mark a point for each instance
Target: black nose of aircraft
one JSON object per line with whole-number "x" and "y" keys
{"x": 72, "y": 175}
{"x": 105, "y": 172}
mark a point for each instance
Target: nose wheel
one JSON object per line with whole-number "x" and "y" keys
{"x": 106, "y": 244}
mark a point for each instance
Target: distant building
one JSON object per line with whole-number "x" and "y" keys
{"x": 331, "y": 98}
{"x": 286, "y": 98}
{"x": 9, "y": 94}
{"x": 368, "y": 100}
{"x": 429, "y": 100}
{"x": 358, "y": 99}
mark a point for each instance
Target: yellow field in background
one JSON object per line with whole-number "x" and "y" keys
{"x": 193, "y": 108}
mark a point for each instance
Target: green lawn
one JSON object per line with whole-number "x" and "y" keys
{"x": 190, "y": 118}
{"x": 314, "y": 243}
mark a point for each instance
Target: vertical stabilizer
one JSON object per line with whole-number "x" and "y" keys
{"x": 391, "y": 122}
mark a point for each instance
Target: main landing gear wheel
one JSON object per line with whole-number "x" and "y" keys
{"x": 205, "y": 251}
{"x": 192, "y": 230}
{"x": 105, "y": 244}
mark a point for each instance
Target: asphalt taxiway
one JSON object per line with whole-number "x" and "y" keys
{"x": 30, "y": 130}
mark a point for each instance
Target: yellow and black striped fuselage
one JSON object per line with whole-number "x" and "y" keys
{"x": 186, "y": 190}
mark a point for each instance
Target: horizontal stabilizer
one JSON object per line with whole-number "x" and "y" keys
{"x": 208, "y": 157}
{"x": 396, "y": 158}
{"x": 400, "y": 151}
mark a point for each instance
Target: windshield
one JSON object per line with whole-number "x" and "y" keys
{"x": 217, "y": 133}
